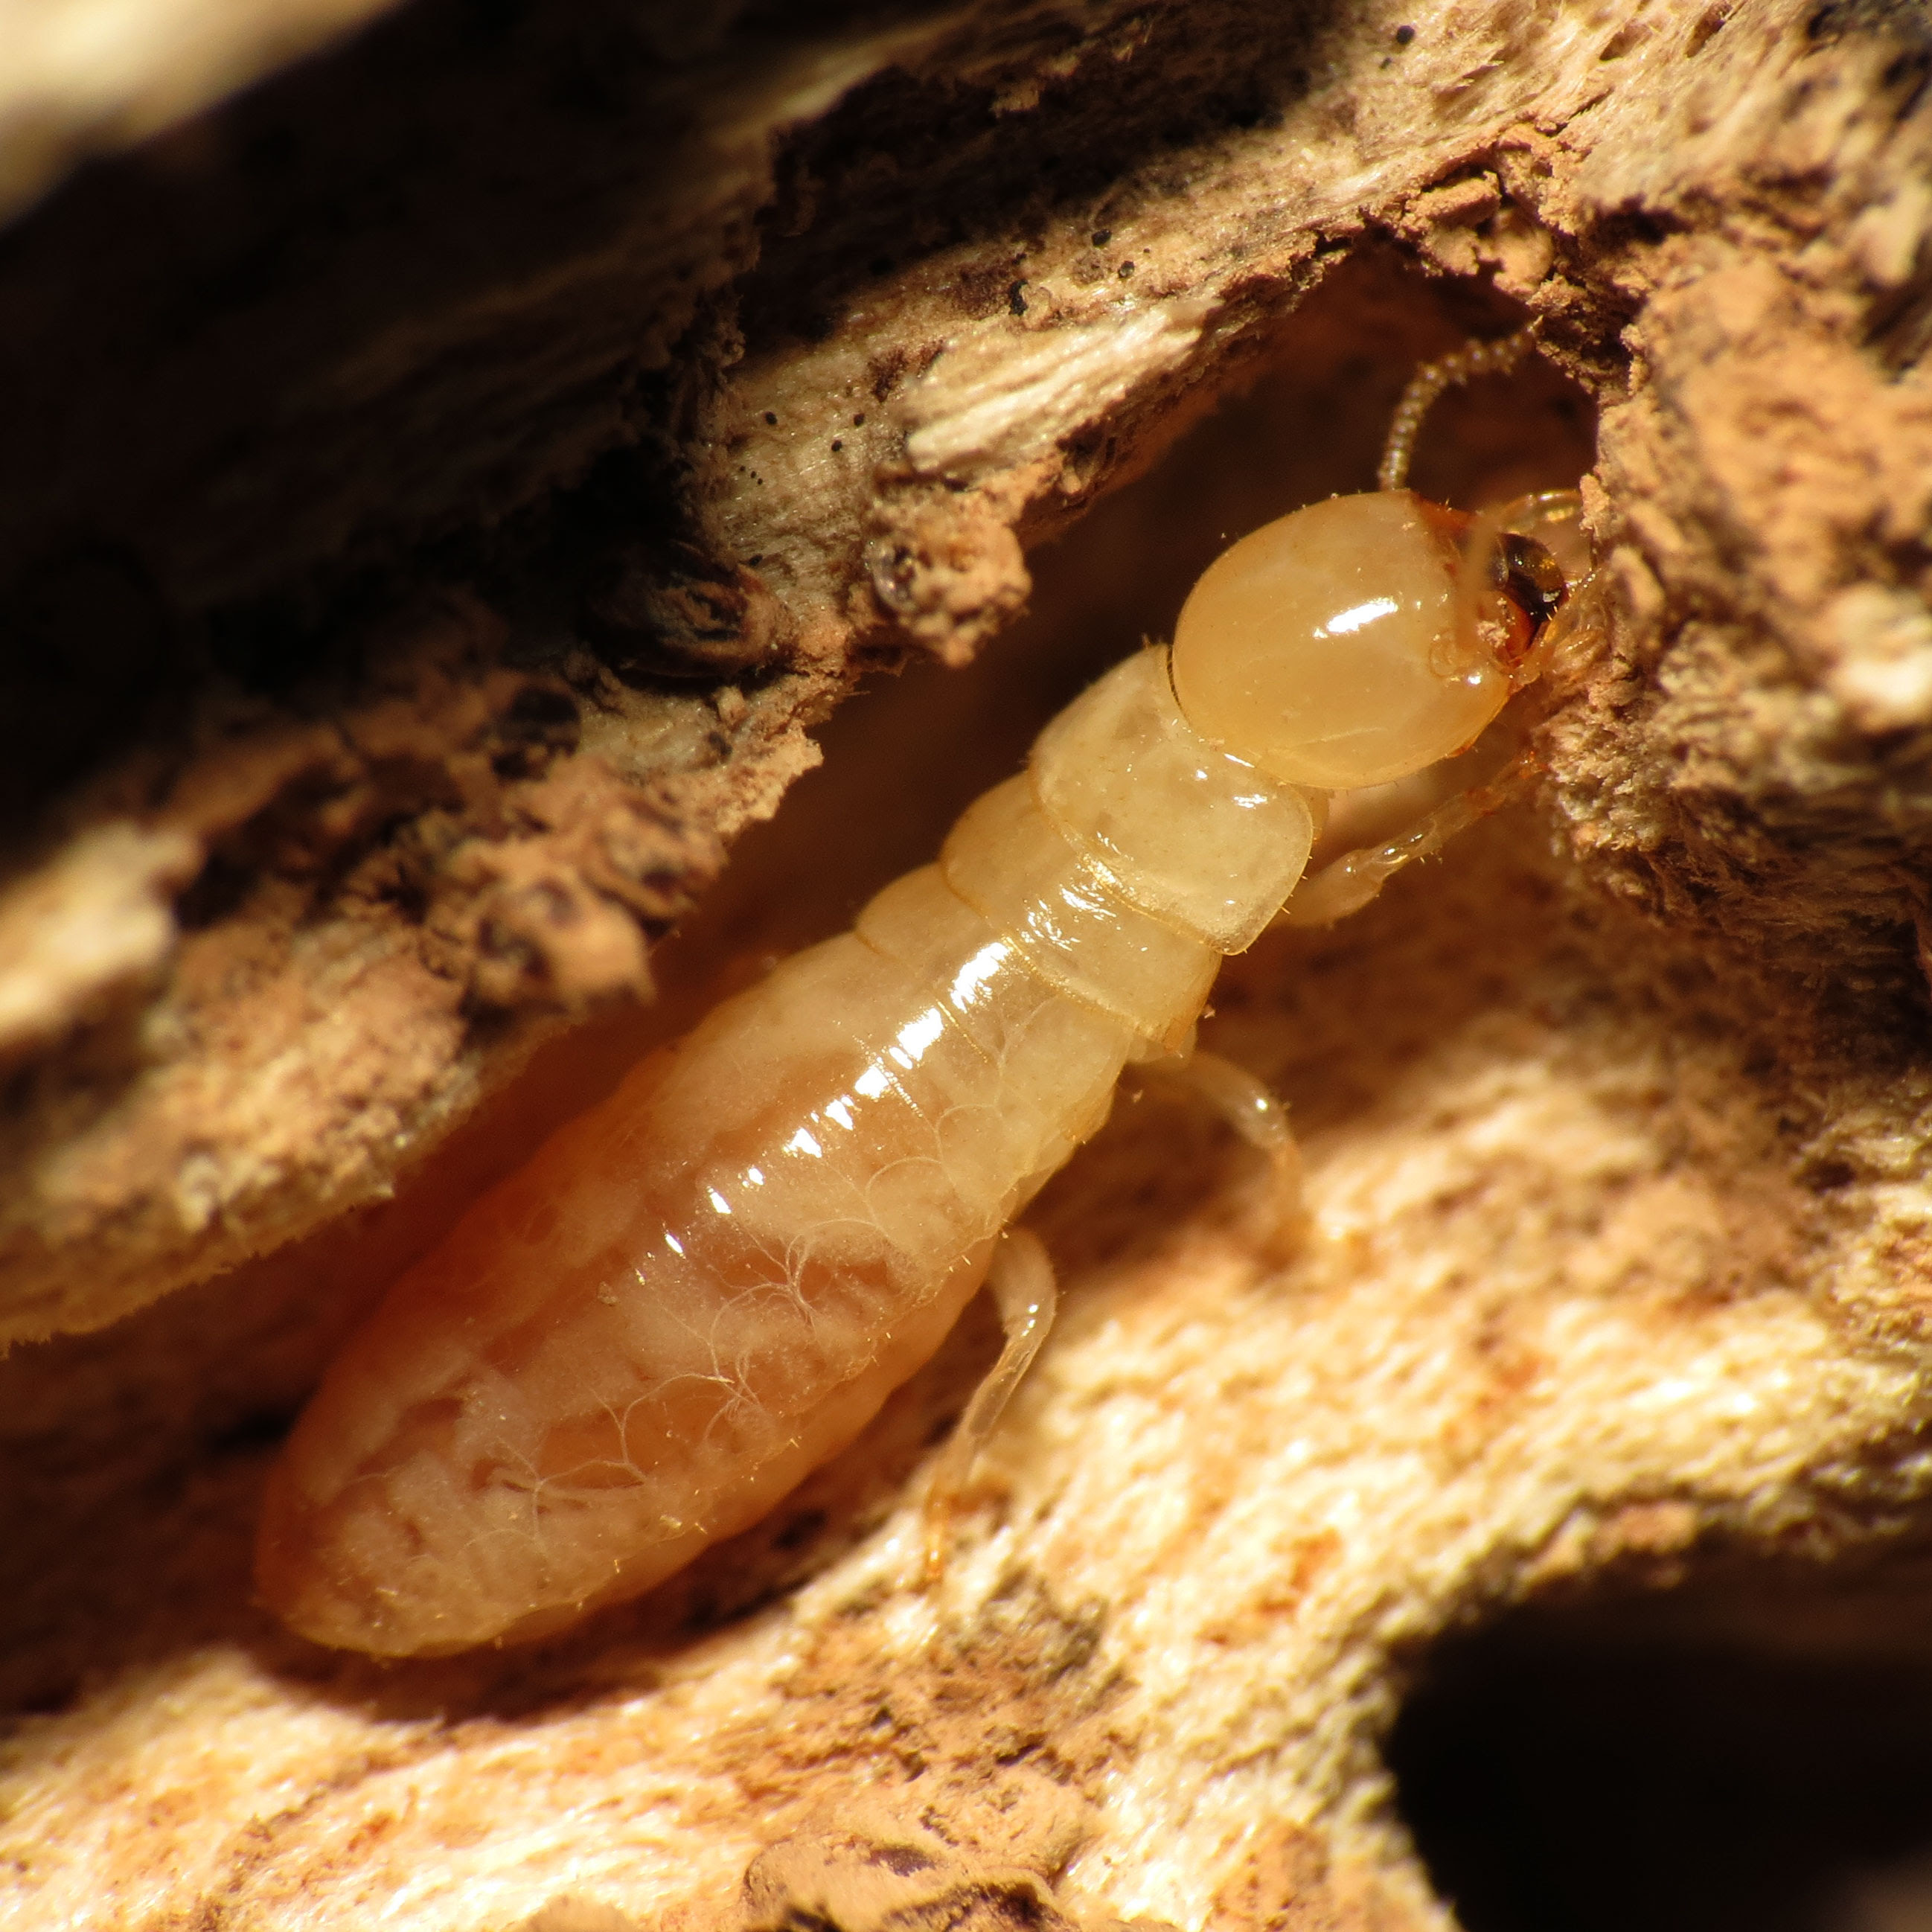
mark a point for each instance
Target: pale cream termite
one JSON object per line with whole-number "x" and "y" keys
{"x": 696, "y": 1293}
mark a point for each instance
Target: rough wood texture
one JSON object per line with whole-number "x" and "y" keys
{"x": 1617, "y": 1153}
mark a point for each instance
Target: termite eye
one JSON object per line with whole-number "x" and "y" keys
{"x": 1320, "y": 647}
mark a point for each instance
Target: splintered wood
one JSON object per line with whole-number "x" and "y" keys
{"x": 484, "y": 627}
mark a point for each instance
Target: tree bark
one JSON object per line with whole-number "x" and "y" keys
{"x": 452, "y": 481}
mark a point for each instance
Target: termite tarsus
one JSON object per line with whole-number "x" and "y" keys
{"x": 698, "y": 1292}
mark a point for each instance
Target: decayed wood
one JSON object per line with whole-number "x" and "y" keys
{"x": 1617, "y": 1154}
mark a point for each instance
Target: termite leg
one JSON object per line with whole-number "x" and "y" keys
{"x": 1024, "y": 1292}
{"x": 1346, "y": 884}
{"x": 1254, "y": 1113}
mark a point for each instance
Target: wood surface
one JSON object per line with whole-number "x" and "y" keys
{"x": 437, "y": 528}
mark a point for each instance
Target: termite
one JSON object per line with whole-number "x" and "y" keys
{"x": 696, "y": 1293}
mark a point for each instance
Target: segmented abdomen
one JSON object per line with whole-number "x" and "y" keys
{"x": 698, "y": 1292}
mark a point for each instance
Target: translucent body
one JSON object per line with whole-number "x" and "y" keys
{"x": 697, "y": 1292}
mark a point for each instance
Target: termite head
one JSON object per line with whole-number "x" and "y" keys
{"x": 1362, "y": 639}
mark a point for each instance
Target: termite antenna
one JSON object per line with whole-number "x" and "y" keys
{"x": 1472, "y": 359}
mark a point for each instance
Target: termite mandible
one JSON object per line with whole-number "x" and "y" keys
{"x": 698, "y": 1292}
